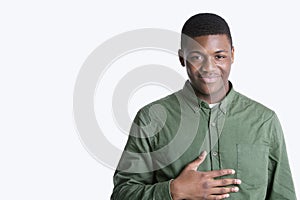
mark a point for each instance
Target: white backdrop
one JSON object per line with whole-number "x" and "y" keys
{"x": 43, "y": 45}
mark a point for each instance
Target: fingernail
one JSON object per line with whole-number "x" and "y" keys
{"x": 202, "y": 154}
{"x": 226, "y": 195}
{"x": 233, "y": 171}
{"x": 236, "y": 189}
{"x": 238, "y": 181}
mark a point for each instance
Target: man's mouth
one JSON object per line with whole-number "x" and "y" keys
{"x": 209, "y": 79}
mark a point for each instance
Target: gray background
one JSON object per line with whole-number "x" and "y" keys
{"x": 43, "y": 45}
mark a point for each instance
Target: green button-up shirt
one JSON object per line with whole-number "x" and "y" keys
{"x": 238, "y": 133}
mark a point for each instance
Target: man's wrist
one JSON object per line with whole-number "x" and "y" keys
{"x": 174, "y": 190}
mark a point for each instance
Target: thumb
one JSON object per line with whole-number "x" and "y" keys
{"x": 195, "y": 164}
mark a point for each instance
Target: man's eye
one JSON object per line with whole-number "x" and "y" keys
{"x": 196, "y": 58}
{"x": 220, "y": 57}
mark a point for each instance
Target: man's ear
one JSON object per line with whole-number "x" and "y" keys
{"x": 232, "y": 55}
{"x": 181, "y": 58}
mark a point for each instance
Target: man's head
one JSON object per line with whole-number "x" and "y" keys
{"x": 205, "y": 24}
{"x": 207, "y": 52}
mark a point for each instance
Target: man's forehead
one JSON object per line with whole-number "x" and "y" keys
{"x": 202, "y": 44}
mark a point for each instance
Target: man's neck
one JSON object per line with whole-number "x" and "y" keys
{"x": 214, "y": 97}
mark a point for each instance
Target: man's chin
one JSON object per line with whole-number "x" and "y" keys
{"x": 211, "y": 89}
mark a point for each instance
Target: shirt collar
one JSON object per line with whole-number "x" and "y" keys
{"x": 196, "y": 103}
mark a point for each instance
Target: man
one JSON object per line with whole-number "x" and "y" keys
{"x": 240, "y": 142}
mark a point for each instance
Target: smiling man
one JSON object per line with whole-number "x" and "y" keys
{"x": 225, "y": 144}
{"x": 208, "y": 59}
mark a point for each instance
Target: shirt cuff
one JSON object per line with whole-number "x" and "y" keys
{"x": 162, "y": 190}
{"x": 170, "y": 196}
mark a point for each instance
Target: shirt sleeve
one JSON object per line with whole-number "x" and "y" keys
{"x": 280, "y": 178}
{"x": 134, "y": 178}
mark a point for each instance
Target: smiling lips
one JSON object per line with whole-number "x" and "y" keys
{"x": 209, "y": 79}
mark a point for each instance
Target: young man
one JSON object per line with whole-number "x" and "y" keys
{"x": 240, "y": 142}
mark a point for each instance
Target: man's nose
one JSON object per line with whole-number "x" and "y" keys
{"x": 209, "y": 65}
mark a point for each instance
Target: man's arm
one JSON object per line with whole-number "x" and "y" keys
{"x": 136, "y": 180}
{"x": 280, "y": 179}
{"x": 128, "y": 187}
{"x": 190, "y": 184}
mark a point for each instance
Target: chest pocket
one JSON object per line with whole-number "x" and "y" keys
{"x": 252, "y": 164}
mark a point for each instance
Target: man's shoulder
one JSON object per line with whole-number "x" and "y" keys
{"x": 246, "y": 102}
{"x": 167, "y": 102}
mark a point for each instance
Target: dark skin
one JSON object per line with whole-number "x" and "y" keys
{"x": 208, "y": 62}
{"x": 196, "y": 185}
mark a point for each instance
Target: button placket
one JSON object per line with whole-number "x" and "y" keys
{"x": 214, "y": 135}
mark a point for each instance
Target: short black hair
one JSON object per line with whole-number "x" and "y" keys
{"x": 205, "y": 24}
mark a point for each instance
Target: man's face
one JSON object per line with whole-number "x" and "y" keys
{"x": 208, "y": 61}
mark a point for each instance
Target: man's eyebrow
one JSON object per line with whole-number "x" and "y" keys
{"x": 195, "y": 51}
{"x": 199, "y": 52}
{"x": 221, "y": 51}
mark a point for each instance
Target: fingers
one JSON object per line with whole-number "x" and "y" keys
{"x": 195, "y": 164}
{"x": 222, "y": 193}
{"x": 225, "y": 182}
{"x": 213, "y": 174}
{"x": 224, "y": 190}
{"x": 218, "y": 173}
{"x": 217, "y": 197}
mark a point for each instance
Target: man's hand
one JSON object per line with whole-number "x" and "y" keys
{"x": 193, "y": 184}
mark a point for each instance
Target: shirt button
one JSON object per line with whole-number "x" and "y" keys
{"x": 213, "y": 124}
{"x": 215, "y": 153}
